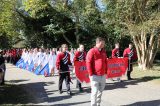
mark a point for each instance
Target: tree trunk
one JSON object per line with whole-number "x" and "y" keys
{"x": 77, "y": 27}
{"x": 146, "y": 52}
{"x": 77, "y": 32}
{"x": 65, "y": 37}
{"x": 77, "y": 36}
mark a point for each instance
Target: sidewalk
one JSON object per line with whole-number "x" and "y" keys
{"x": 45, "y": 90}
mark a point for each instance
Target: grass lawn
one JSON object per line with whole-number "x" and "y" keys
{"x": 148, "y": 75}
{"x": 14, "y": 94}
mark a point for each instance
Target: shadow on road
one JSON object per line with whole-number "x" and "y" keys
{"x": 146, "y": 103}
{"x": 70, "y": 104}
{"x": 17, "y": 81}
{"x": 14, "y": 94}
{"x": 125, "y": 83}
{"x": 34, "y": 93}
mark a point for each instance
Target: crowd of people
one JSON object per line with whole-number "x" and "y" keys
{"x": 12, "y": 55}
{"x": 60, "y": 60}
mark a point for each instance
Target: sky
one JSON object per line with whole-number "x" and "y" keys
{"x": 100, "y": 4}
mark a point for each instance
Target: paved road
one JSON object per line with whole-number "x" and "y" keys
{"x": 132, "y": 93}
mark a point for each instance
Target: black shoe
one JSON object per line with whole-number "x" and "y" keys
{"x": 80, "y": 89}
{"x": 120, "y": 81}
{"x": 130, "y": 78}
{"x": 60, "y": 92}
{"x": 69, "y": 92}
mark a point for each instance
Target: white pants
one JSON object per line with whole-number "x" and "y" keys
{"x": 97, "y": 87}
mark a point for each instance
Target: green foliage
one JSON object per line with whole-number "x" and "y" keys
{"x": 135, "y": 15}
{"x": 51, "y": 23}
{"x": 10, "y": 23}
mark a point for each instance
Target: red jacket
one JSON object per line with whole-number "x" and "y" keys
{"x": 127, "y": 52}
{"x": 115, "y": 53}
{"x": 13, "y": 53}
{"x": 96, "y": 62}
{"x": 79, "y": 56}
{"x": 63, "y": 61}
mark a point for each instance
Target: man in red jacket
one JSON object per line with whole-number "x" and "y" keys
{"x": 62, "y": 62}
{"x": 132, "y": 55}
{"x": 96, "y": 61}
{"x": 80, "y": 56}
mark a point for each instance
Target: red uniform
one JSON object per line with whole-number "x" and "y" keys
{"x": 14, "y": 53}
{"x": 96, "y": 61}
{"x": 79, "y": 56}
{"x": 131, "y": 53}
{"x": 115, "y": 53}
{"x": 63, "y": 60}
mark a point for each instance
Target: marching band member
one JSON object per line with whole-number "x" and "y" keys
{"x": 30, "y": 56}
{"x": 52, "y": 61}
{"x": 80, "y": 56}
{"x": 40, "y": 57}
{"x": 116, "y": 54}
{"x": 115, "y": 51}
{"x": 35, "y": 58}
{"x": 72, "y": 55}
{"x": 62, "y": 62}
{"x": 45, "y": 59}
{"x": 132, "y": 55}
{"x": 25, "y": 56}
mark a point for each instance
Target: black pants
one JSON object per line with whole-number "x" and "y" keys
{"x": 79, "y": 85}
{"x": 8, "y": 59}
{"x": 130, "y": 69}
{"x": 65, "y": 76}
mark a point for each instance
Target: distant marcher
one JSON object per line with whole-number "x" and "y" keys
{"x": 116, "y": 54}
{"x": 130, "y": 52}
{"x": 80, "y": 56}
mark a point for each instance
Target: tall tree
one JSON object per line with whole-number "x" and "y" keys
{"x": 141, "y": 20}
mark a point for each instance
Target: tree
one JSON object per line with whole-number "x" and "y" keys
{"x": 10, "y": 22}
{"x": 141, "y": 20}
{"x": 44, "y": 25}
